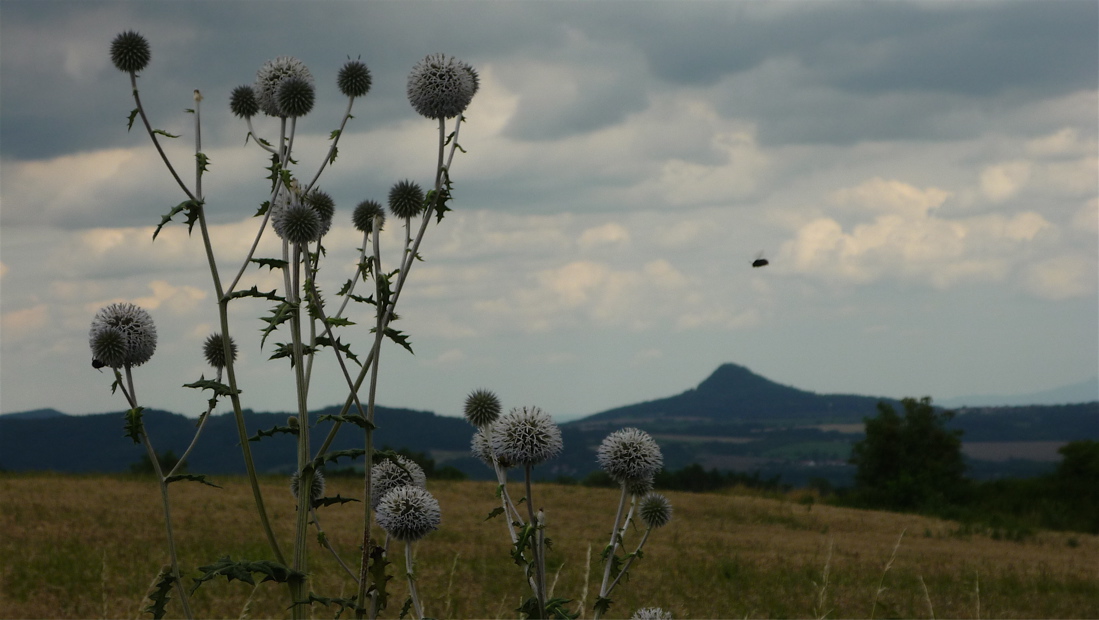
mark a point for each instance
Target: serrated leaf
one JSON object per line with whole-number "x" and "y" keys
{"x": 353, "y": 453}
{"x": 130, "y": 120}
{"x": 133, "y": 424}
{"x": 336, "y": 321}
{"x": 255, "y": 292}
{"x": 219, "y": 389}
{"x": 161, "y": 594}
{"x": 164, "y": 133}
{"x": 325, "y": 341}
{"x": 335, "y": 151}
{"x": 271, "y": 432}
{"x": 344, "y": 603}
{"x": 400, "y": 338}
{"x": 335, "y": 134}
{"x": 201, "y": 478}
{"x": 270, "y": 263}
{"x": 329, "y": 501}
{"x": 499, "y": 510}
{"x": 555, "y": 608}
{"x": 190, "y": 206}
{"x": 406, "y": 607}
{"x": 263, "y": 208}
{"x": 602, "y": 605}
{"x": 203, "y": 161}
{"x": 242, "y": 571}
{"x": 357, "y": 420}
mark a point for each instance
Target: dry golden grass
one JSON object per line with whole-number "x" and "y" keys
{"x": 88, "y": 547}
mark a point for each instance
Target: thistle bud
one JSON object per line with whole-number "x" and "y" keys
{"x": 364, "y": 214}
{"x": 406, "y": 199}
{"x": 482, "y": 408}
{"x": 242, "y": 102}
{"x": 655, "y": 510}
{"x": 122, "y": 334}
{"x": 441, "y": 87}
{"x": 295, "y": 96}
{"x": 354, "y": 79}
{"x": 130, "y": 52}
{"x": 214, "y": 350}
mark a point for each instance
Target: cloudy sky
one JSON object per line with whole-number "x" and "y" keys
{"x": 922, "y": 177}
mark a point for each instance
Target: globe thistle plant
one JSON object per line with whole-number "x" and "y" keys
{"x": 354, "y": 79}
{"x": 481, "y": 446}
{"x": 629, "y": 454}
{"x": 406, "y": 199}
{"x": 130, "y": 52}
{"x": 408, "y": 513}
{"x": 655, "y": 510}
{"x": 316, "y": 488}
{"x": 391, "y": 473}
{"x": 441, "y": 87}
{"x": 214, "y": 351}
{"x": 482, "y": 408}
{"x": 526, "y": 436}
{"x": 271, "y": 76}
{"x": 122, "y": 334}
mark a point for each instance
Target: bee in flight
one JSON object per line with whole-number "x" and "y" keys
{"x": 760, "y": 261}
{"x": 98, "y": 365}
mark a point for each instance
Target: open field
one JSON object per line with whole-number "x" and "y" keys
{"x": 89, "y": 546}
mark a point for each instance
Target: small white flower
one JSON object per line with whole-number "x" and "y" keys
{"x": 390, "y": 474}
{"x": 526, "y": 437}
{"x": 441, "y": 87}
{"x": 629, "y": 454}
{"x": 408, "y": 513}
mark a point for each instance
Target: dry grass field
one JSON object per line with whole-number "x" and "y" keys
{"x": 88, "y": 547}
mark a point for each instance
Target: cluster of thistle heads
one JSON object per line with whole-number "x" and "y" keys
{"x": 123, "y": 335}
{"x": 400, "y": 499}
{"x": 527, "y": 436}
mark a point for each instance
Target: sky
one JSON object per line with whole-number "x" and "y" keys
{"x": 922, "y": 176}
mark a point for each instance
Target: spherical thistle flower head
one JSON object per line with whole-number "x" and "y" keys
{"x": 214, "y": 350}
{"x": 651, "y": 613}
{"x": 271, "y": 75}
{"x": 629, "y": 454}
{"x": 481, "y": 447}
{"x": 295, "y": 96}
{"x": 130, "y": 52}
{"x": 316, "y": 489}
{"x": 640, "y": 486}
{"x": 294, "y": 220}
{"x": 406, "y": 199}
{"x": 108, "y": 347}
{"x": 363, "y": 216}
{"x": 409, "y": 513}
{"x": 526, "y": 436}
{"x": 391, "y": 473}
{"x": 354, "y": 79}
{"x": 441, "y": 87}
{"x": 325, "y": 207}
{"x": 482, "y": 408}
{"x": 242, "y": 102}
{"x": 655, "y": 510}
{"x": 134, "y": 342}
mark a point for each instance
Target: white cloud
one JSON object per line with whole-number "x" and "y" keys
{"x": 891, "y": 196}
{"x": 1062, "y": 277}
{"x": 1004, "y": 180}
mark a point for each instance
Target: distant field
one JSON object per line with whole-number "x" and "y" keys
{"x": 1045, "y": 451}
{"x": 88, "y": 547}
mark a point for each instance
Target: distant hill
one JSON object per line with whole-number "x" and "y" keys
{"x": 733, "y": 394}
{"x": 734, "y": 420}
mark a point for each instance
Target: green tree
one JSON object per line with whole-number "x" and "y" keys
{"x": 912, "y": 462}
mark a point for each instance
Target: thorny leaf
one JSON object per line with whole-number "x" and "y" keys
{"x": 357, "y": 420}
{"x": 133, "y": 424}
{"x": 289, "y": 430}
{"x": 242, "y": 570}
{"x": 161, "y": 594}
{"x": 192, "y": 207}
{"x": 270, "y": 263}
{"x": 192, "y": 478}
{"x": 344, "y": 603}
{"x": 130, "y": 120}
{"x": 328, "y": 501}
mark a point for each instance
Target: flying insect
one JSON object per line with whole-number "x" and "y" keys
{"x": 760, "y": 261}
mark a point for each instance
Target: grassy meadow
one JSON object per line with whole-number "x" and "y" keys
{"x": 90, "y": 547}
